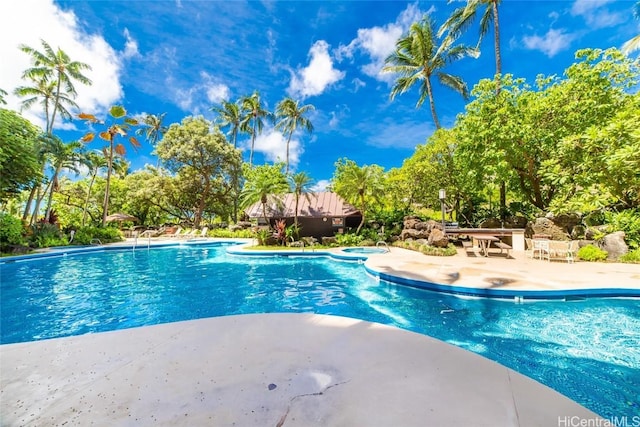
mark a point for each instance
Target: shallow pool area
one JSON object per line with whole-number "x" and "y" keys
{"x": 574, "y": 347}
{"x": 365, "y": 250}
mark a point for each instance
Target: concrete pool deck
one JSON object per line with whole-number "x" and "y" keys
{"x": 297, "y": 369}
{"x": 268, "y": 370}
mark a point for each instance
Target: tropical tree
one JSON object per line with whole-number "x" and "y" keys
{"x": 3, "y": 93}
{"x": 253, "y": 120}
{"x": 264, "y": 184}
{"x": 19, "y": 159}
{"x": 55, "y": 66}
{"x": 192, "y": 149}
{"x": 290, "y": 115}
{"x": 61, "y": 156}
{"x": 95, "y": 161}
{"x": 361, "y": 186}
{"x": 300, "y": 185}
{"x": 418, "y": 57}
{"x": 119, "y": 124}
{"x": 153, "y": 128}
{"x": 633, "y": 44}
{"x": 463, "y": 17}
{"x": 229, "y": 115}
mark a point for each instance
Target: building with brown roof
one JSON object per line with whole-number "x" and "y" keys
{"x": 319, "y": 214}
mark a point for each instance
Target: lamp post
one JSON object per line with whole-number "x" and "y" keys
{"x": 442, "y": 195}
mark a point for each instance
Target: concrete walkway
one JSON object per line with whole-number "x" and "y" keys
{"x": 268, "y": 370}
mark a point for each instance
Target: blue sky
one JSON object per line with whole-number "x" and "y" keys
{"x": 181, "y": 57}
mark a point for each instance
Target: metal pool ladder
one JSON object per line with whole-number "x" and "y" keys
{"x": 383, "y": 243}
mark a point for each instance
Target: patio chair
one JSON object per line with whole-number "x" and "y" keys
{"x": 203, "y": 232}
{"x": 563, "y": 250}
{"x": 176, "y": 234}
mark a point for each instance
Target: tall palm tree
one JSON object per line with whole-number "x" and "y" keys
{"x": 153, "y": 128}
{"x": 61, "y": 156}
{"x": 264, "y": 183}
{"x": 45, "y": 92}
{"x": 3, "y": 93}
{"x": 291, "y": 115}
{"x": 120, "y": 124}
{"x": 229, "y": 115}
{"x": 55, "y": 66}
{"x": 463, "y": 17}
{"x": 95, "y": 161}
{"x": 300, "y": 185}
{"x": 633, "y": 44}
{"x": 418, "y": 57}
{"x": 253, "y": 121}
{"x": 457, "y": 23}
{"x": 358, "y": 185}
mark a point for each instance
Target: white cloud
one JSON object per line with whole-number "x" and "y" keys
{"x": 551, "y": 43}
{"x": 61, "y": 30}
{"x": 197, "y": 98}
{"x": 357, "y": 84}
{"x": 318, "y": 75}
{"x": 130, "y": 47}
{"x": 321, "y": 185}
{"x": 595, "y": 14}
{"x": 273, "y": 145}
{"x": 380, "y": 42}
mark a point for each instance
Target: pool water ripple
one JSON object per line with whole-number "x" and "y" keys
{"x": 588, "y": 350}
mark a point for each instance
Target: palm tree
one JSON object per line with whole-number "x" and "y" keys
{"x": 153, "y": 129}
{"x": 300, "y": 184}
{"x": 358, "y": 185}
{"x": 291, "y": 116}
{"x": 121, "y": 125}
{"x": 55, "y": 66}
{"x": 45, "y": 91}
{"x": 3, "y": 93}
{"x": 264, "y": 183}
{"x": 418, "y": 57}
{"x": 252, "y": 122}
{"x": 95, "y": 161}
{"x": 633, "y": 44}
{"x": 229, "y": 115}
{"x": 463, "y": 17}
{"x": 61, "y": 156}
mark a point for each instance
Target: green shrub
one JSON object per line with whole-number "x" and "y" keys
{"x": 450, "y": 250}
{"x": 84, "y": 235}
{"x": 349, "y": 239}
{"x": 45, "y": 235}
{"x": 592, "y": 253}
{"x": 631, "y": 257}
{"x": 11, "y": 231}
{"x": 627, "y": 221}
{"x": 226, "y": 233}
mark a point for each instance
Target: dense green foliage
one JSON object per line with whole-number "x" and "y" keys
{"x": 86, "y": 235}
{"x": 19, "y": 165}
{"x": 631, "y": 257}
{"x": 592, "y": 253}
{"x": 11, "y": 231}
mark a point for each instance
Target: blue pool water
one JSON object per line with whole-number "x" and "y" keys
{"x": 364, "y": 250}
{"x": 588, "y": 350}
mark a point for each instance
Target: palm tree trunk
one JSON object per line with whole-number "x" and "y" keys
{"x": 432, "y": 103}
{"x": 288, "y": 141}
{"x": 105, "y": 204}
{"x": 39, "y": 196}
{"x": 86, "y": 200}
{"x": 496, "y": 36}
{"x": 47, "y": 214}
{"x": 253, "y": 140}
{"x": 27, "y": 208}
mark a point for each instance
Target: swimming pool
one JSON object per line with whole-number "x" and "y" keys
{"x": 364, "y": 250}
{"x": 574, "y": 347}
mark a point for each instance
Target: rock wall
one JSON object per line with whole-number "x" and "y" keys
{"x": 430, "y": 232}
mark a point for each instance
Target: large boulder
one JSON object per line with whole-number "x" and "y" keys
{"x": 515, "y": 222}
{"x": 437, "y": 238}
{"x": 412, "y": 233}
{"x": 410, "y": 222}
{"x": 547, "y": 227}
{"x": 614, "y": 244}
{"x": 566, "y": 221}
